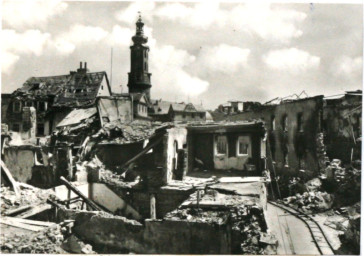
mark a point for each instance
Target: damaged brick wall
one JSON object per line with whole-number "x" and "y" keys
{"x": 293, "y": 147}
{"x": 156, "y": 236}
{"x": 342, "y": 123}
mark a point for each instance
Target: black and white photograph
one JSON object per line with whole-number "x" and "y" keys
{"x": 181, "y": 127}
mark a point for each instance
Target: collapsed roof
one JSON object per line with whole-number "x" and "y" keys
{"x": 77, "y": 89}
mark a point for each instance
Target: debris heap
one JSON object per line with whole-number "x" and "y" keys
{"x": 310, "y": 202}
{"x": 29, "y": 196}
{"x": 249, "y": 230}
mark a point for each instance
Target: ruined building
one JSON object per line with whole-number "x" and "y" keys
{"x": 294, "y": 126}
{"x": 54, "y": 97}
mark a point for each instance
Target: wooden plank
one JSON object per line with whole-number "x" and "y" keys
{"x": 13, "y": 183}
{"x": 143, "y": 152}
{"x": 34, "y": 210}
{"x": 88, "y": 201}
{"x": 17, "y": 210}
{"x": 17, "y": 224}
{"x": 31, "y": 222}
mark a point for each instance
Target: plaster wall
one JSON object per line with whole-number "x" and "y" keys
{"x": 20, "y": 162}
{"x": 176, "y": 135}
{"x": 226, "y": 162}
{"x": 102, "y": 195}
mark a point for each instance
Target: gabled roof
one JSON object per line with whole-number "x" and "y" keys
{"x": 183, "y": 107}
{"x": 161, "y": 107}
{"x": 77, "y": 89}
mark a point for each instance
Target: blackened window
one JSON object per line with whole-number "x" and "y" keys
{"x": 202, "y": 115}
{"x": 40, "y": 129}
{"x": 41, "y": 106}
{"x": 193, "y": 115}
{"x": 16, "y": 127}
{"x": 221, "y": 145}
{"x": 300, "y": 122}
{"x": 16, "y": 106}
{"x": 28, "y": 103}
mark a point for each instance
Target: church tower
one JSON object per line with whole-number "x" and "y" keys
{"x": 139, "y": 78}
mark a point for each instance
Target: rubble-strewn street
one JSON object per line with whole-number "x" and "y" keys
{"x": 243, "y": 137}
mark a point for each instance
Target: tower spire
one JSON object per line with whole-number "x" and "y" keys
{"x": 139, "y": 77}
{"x": 139, "y": 37}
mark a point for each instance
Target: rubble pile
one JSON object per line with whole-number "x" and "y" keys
{"x": 310, "y": 202}
{"x": 52, "y": 240}
{"x": 351, "y": 237}
{"x": 198, "y": 215}
{"x": 249, "y": 230}
{"x": 349, "y": 186}
{"x": 47, "y": 241}
{"x": 125, "y": 133}
{"x": 28, "y": 196}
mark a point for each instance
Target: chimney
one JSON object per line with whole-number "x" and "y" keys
{"x": 86, "y": 66}
{"x": 80, "y": 64}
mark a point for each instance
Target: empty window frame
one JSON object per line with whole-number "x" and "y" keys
{"x": 273, "y": 123}
{"x": 243, "y": 145}
{"x": 285, "y": 123}
{"x": 42, "y": 106}
{"x": 40, "y": 129}
{"x": 221, "y": 145}
{"x": 16, "y": 106}
{"x": 15, "y": 127}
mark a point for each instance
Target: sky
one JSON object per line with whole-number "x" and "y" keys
{"x": 201, "y": 52}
